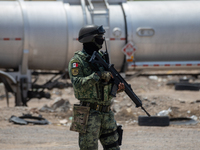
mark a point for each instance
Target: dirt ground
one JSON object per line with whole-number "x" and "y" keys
{"x": 156, "y": 96}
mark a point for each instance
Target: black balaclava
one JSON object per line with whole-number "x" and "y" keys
{"x": 95, "y": 45}
{"x": 90, "y": 47}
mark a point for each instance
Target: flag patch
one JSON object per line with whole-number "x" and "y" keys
{"x": 75, "y": 65}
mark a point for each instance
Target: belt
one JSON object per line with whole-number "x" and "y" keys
{"x": 95, "y": 106}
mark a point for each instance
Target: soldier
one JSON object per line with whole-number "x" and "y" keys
{"x": 93, "y": 118}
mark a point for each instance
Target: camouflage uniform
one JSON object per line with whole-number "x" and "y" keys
{"x": 89, "y": 88}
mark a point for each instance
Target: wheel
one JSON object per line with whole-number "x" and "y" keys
{"x": 34, "y": 119}
{"x": 153, "y": 121}
{"x": 187, "y": 86}
{"x": 28, "y": 118}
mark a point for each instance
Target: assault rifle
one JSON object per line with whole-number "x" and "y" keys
{"x": 117, "y": 78}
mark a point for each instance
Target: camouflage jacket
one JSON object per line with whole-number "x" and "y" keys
{"x": 86, "y": 83}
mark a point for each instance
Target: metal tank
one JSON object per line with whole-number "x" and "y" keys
{"x": 43, "y": 35}
{"x": 46, "y": 32}
{"x": 166, "y": 33}
{"x": 141, "y": 35}
{"x": 40, "y": 28}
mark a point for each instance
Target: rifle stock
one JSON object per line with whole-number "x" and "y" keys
{"x": 96, "y": 58}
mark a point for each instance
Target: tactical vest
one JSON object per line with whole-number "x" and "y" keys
{"x": 97, "y": 92}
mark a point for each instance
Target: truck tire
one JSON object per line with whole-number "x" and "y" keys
{"x": 153, "y": 121}
{"x": 187, "y": 86}
{"x": 28, "y": 118}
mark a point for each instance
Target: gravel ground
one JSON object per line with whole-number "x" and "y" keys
{"x": 14, "y": 137}
{"x": 155, "y": 95}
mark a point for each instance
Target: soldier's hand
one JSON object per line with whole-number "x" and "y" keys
{"x": 121, "y": 87}
{"x": 105, "y": 75}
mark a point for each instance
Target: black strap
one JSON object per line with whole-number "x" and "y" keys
{"x": 115, "y": 144}
{"x": 119, "y": 131}
{"x": 102, "y": 92}
{"x": 95, "y": 106}
{"x": 108, "y": 134}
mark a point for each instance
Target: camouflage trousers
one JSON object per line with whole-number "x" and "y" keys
{"x": 99, "y": 124}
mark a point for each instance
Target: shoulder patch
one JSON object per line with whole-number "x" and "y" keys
{"x": 74, "y": 64}
{"x": 74, "y": 71}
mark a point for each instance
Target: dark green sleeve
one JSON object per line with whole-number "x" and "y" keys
{"x": 77, "y": 77}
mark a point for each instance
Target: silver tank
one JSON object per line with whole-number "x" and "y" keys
{"x": 174, "y": 30}
{"x": 162, "y": 31}
{"x": 45, "y": 29}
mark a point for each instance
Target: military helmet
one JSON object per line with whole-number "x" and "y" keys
{"x": 88, "y": 32}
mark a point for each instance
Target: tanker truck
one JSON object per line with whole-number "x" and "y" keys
{"x": 41, "y": 37}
